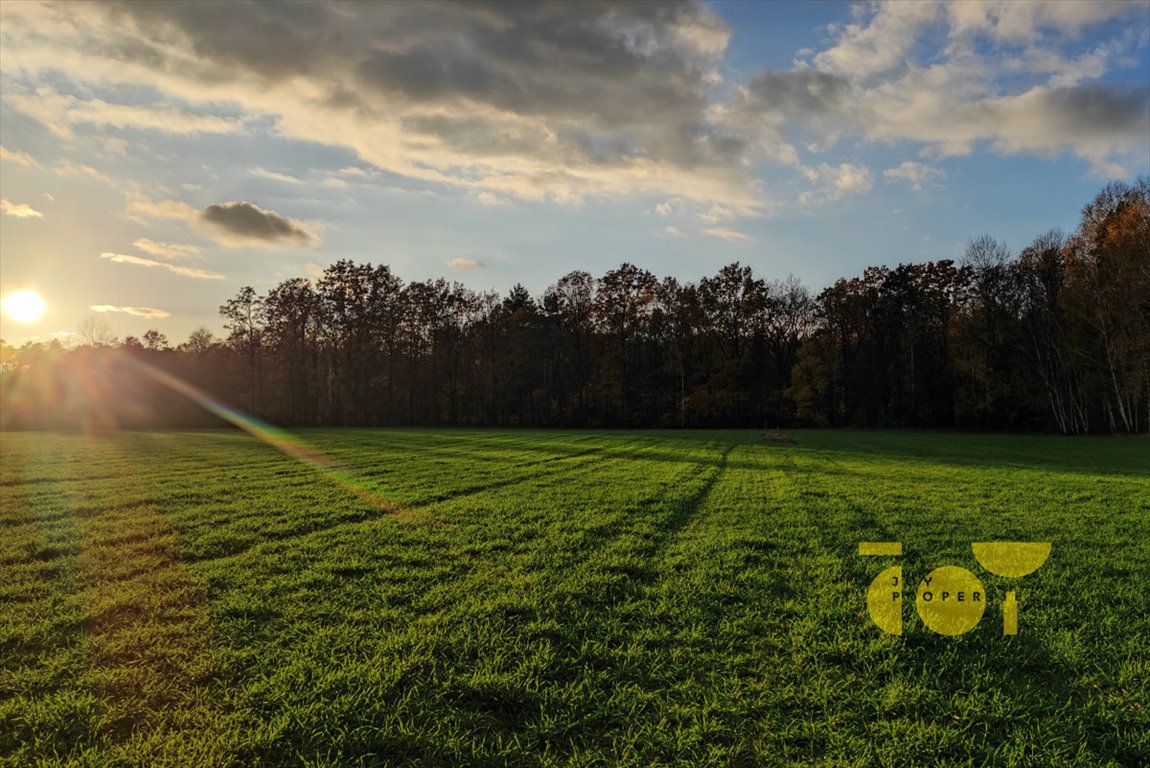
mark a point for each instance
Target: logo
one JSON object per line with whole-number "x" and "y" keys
{"x": 951, "y": 600}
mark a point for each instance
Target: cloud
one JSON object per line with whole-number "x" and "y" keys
{"x": 264, "y": 173}
{"x": 1007, "y": 20}
{"x": 565, "y": 102}
{"x": 231, "y": 224}
{"x": 916, "y": 174}
{"x": 148, "y": 312}
{"x": 169, "y": 251}
{"x": 490, "y": 200}
{"x": 550, "y": 101}
{"x": 886, "y": 78}
{"x": 877, "y": 43}
{"x": 17, "y": 157}
{"x": 465, "y": 264}
{"x": 67, "y": 168}
{"x": 19, "y": 210}
{"x": 59, "y": 112}
{"x": 835, "y": 181}
{"x": 238, "y": 224}
{"x": 123, "y": 258}
{"x": 114, "y": 145}
{"x": 141, "y": 209}
{"x": 802, "y": 91}
{"x": 726, "y": 234}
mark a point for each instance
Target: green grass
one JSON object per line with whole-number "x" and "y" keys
{"x": 563, "y": 598}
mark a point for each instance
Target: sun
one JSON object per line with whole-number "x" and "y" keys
{"x": 25, "y": 307}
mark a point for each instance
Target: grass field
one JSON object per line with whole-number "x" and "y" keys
{"x": 563, "y": 598}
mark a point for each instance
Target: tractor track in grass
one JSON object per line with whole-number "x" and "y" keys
{"x": 133, "y": 623}
{"x": 688, "y": 511}
{"x": 417, "y": 512}
{"x": 625, "y": 599}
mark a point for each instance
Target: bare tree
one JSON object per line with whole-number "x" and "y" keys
{"x": 94, "y": 332}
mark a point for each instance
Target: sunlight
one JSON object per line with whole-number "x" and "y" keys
{"x": 25, "y": 307}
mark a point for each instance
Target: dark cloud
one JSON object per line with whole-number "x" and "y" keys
{"x": 638, "y": 74}
{"x": 246, "y": 222}
{"x": 799, "y": 92}
{"x": 564, "y": 100}
{"x": 1098, "y": 108}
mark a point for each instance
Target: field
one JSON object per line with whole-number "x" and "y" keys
{"x": 562, "y": 598}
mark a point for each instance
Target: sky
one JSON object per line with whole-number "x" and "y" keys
{"x": 157, "y": 157}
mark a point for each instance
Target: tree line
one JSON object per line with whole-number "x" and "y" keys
{"x": 1054, "y": 338}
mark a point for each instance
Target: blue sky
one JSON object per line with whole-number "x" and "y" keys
{"x": 157, "y": 157}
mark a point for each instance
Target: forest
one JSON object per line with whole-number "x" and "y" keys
{"x": 1053, "y": 338}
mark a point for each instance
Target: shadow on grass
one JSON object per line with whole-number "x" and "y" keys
{"x": 1121, "y": 456}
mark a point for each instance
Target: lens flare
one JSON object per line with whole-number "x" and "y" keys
{"x": 277, "y": 438}
{"x": 25, "y": 307}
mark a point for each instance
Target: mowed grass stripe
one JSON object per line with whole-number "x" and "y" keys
{"x": 656, "y": 598}
{"x": 139, "y": 642}
{"x": 153, "y": 648}
{"x": 45, "y": 708}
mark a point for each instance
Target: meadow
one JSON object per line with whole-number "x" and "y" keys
{"x": 562, "y": 598}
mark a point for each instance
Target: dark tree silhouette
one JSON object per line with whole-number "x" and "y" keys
{"x": 1055, "y": 338}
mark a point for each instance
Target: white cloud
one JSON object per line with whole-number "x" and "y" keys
{"x": 141, "y": 209}
{"x": 115, "y": 145}
{"x": 835, "y": 181}
{"x": 726, "y": 234}
{"x": 490, "y": 200}
{"x": 673, "y": 207}
{"x": 69, "y": 169}
{"x": 878, "y": 43}
{"x": 169, "y": 251}
{"x": 19, "y": 210}
{"x": 917, "y": 175}
{"x": 1009, "y": 20}
{"x": 275, "y": 176}
{"x": 122, "y": 258}
{"x": 60, "y": 112}
{"x": 560, "y": 102}
{"x": 1009, "y": 77}
{"x": 17, "y": 157}
{"x": 465, "y": 264}
{"x": 567, "y": 102}
{"x": 148, "y": 312}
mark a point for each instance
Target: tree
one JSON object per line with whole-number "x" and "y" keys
{"x": 570, "y": 305}
{"x": 199, "y": 342}
{"x": 94, "y": 332}
{"x": 1056, "y": 338}
{"x": 623, "y": 302}
{"x": 155, "y": 341}
{"x": 1108, "y": 292}
{"x": 291, "y": 311}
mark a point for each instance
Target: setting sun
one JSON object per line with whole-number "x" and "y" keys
{"x": 25, "y": 307}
